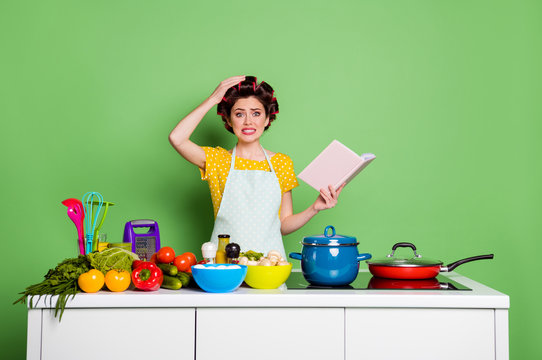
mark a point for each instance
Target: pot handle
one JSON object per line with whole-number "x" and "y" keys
{"x": 296, "y": 256}
{"x": 453, "y": 265}
{"x": 364, "y": 256}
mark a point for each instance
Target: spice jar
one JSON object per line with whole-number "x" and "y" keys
{"x": 208, "y": 251}
{"x": 232, "y": 253}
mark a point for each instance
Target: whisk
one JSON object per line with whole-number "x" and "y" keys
{"x": 91, "y": 216}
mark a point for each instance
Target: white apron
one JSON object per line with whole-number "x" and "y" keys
{"x": 249, "y": 210}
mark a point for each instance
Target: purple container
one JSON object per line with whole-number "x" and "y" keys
{"x": 143, "y": 244}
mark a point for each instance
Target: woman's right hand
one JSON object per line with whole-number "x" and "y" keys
{"x": 220, "y": 91}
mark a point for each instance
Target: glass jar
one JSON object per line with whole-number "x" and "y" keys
{"x": 223, "y": 240}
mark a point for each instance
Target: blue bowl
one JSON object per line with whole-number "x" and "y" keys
{"x": 219, "y": 278}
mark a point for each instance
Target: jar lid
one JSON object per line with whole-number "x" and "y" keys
{"x": 327, "y": 239}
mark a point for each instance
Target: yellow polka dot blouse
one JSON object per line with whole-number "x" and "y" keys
{"x": 217, "y": 168}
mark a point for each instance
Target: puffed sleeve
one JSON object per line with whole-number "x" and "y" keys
{"x": 211, "y": 161}
{"x": 285, "y": 173}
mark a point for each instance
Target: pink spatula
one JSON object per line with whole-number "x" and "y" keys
{"x": 77, "y": 215}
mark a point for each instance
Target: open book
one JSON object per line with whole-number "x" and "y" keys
{"x": 336, "y": 165}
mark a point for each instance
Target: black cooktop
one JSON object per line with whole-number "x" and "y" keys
{"x": 366, "y": 281}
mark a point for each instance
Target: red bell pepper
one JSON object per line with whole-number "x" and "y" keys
{"x": 147, "y": 276}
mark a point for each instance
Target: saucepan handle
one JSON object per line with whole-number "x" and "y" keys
{"x": 453, "y": 265}
{"x": 364, "y": 256}
{"x": 294, "y": 255}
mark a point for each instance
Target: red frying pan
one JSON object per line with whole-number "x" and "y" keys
{"x": 413, "y": 268}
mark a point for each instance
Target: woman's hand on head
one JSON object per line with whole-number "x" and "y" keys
{"x": 328, "y": 198}
{"x": 220, "y": 91}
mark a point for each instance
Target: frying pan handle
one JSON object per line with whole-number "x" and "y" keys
{"x": 453, "y": 265}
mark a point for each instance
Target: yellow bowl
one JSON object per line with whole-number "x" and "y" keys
{"x": 267, "y": 277}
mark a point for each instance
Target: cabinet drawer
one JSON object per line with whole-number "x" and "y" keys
{"x": 420, "y": 334}
{"x": 270, "y": 333}
{"x": 119, "y": 334}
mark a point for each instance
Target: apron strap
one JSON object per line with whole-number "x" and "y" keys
{"x": 232, "y": 165}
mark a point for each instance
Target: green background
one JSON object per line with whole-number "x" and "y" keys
{"x": 445, "y": 93}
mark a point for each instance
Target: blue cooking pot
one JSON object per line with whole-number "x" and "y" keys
{"x": 330, "y": 259}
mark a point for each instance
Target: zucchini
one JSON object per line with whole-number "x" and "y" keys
{"x": 168, "y": 269}
{"x": 184, "y": 277}
{"x": 171, "y": 282}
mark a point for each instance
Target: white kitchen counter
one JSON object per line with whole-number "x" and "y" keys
{"x": 481, "y": 296}
{"x": 341, "y": 324}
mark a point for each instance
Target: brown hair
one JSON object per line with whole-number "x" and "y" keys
{"x": 247, "y": 88}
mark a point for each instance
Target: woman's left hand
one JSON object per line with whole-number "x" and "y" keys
{"x": 327, "y": 198}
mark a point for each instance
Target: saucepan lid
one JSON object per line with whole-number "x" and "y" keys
{"x": 415, "y": 261}
{"x": 329, "y": 238}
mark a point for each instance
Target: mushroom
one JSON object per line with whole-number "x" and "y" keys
{"x": 251, "y": 262}
{"x": 243, "y": 260}
{"x": 265, "y": 262}
{"x": 283, "y": 262}
{"x": 274, "y": 253}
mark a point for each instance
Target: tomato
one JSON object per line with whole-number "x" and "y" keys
{"x": 118, "y": 280}
{"x": 165, "y": 255}
{"x": 185, "y": 261}
{"x": 136, "y": 263}
{"x": 91, "y": 281}
{"x": 153, "y": 258}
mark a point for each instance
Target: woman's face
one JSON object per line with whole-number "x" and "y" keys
{"x": 248, "y": 119}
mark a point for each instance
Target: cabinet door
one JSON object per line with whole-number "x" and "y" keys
{"x": 119, "y": 334}
{"x": 420, "y": 334}
{"x": 270, "y": 333}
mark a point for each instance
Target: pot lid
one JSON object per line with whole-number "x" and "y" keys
{"x": 416, "y": 261}
{"x": 329, "y": 239}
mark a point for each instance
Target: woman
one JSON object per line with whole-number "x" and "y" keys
{"x": 252, "y": 196}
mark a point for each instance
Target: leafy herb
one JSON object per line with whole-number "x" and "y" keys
{"x": 252, "y": 255}
{"x": 61, "y": 281}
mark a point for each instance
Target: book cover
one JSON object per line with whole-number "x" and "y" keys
{"x": 335, "y": 165}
